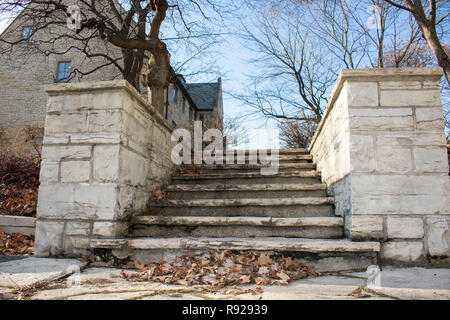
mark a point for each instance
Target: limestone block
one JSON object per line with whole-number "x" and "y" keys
{"x": 392, "y": 85}
{"x": 381, "y": 119}
{"x": 401, "y": 98}
{"x": 409, "y": 139}
{"x": 71, "y": 244}
{"x": 107, "y": 99}
{"x": 110, "y": 229}
{"x": 105, "y": 121}
{"x": 362, "y": 156}
{"x": 94, "y": 138}
{"x": 56, "y": 139}
{"x": 430, "y": 160}
{"x": 406, "y": 228}
{"x": 75, "y": 171}
{"x": 404, "y": 251}
{"x": 364, "y": 94}
{"x": 397, "y": 204}
{"x": 49, "y": 238}
{"x": 62, "y": 123}
{"x": 438, "y": 236}
{"x": 430, "y": 119}
{"x": 77, "y": 201}
{"x": 393, "y": 159}
{"x": 132, "y": 167}
{"x": 367, "y": 227}
{"x": 55, "y": 103}
{"x": 49, "y": 171}
{"x": 77, "y": 228}
{"x": 106, "y": 163}
{"x": 66, "y": 152}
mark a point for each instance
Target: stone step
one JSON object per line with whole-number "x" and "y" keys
{"x": 250, "y": 168}
{"x": 256, "y": 244}
{"x": 269, "y": 151}
{"x": 241, "y": 191}
{"x": 324, "y": 254}
{"x": 277, "y": 207}
{"x": 305, "y": 177}
{"x": 185, "y": 226}
{"x": 282, "y": 158}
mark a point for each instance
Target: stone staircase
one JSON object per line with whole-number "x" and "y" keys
{"x": 234, "y": 206}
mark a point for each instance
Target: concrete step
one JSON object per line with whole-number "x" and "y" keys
{"x": 256, "y": 244}
{"x": 305, "y": 177}
{"x": 282, "y": 158}
{"x": 250, "y": 168}
{"x": 277, "y": 207}
{"x": 268, "y": 151}
{"x": 242, "y": 191}
{"x": 184, "y": 226}
{"x": 324, "y": 254}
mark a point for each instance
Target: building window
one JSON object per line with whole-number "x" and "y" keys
{"x": 174, "y": 124}
{"x": 183, "y": 105}
{"x": 175, "y": 93}
{"x": 63, "y": 70}
{"x": 190, "y": 115}
{"x": 208, "y": 116}
{"x": 27, "y": 34}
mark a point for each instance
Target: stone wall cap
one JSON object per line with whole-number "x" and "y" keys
{"x": 373, "y": 75}
{"x": 61, "y": 88}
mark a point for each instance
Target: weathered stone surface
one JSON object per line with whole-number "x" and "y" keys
{"x": 393, "y": 159}
{"x": 56, "y": 139}
{"x": 95, "y": 138}
{"x": 430, "y": 159}
{"x": 393, "y": 85}
{"x": 75, "y": 171}
{"x": 50, "y": 235}
{"x": 49, "y": 171}
{"x": 363, "y": 153}
{"x": 404, "y": 251}
{"x": 132, "y": 167}
{"x": 110, "y": 229}
{"x": 77, "y": 201}
{"x": 363, "y": 94}
{"x": 438, "y": 236}
{"x": 105, "y": 121}
{"x": 381, "y": 119}
{"x": 364, "y": 227}
{"x": 77, "y": 228}
{"x": 65, "y": 152}
{"x": 400, "y": 98}
{"x": 406, "y": 228}
{"x": 62, "y": 123}
{"x": 106, "y": 163}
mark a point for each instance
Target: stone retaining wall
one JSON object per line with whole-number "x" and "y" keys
{"x": 104, "y": 151}
{"x": 15, "y": 224}
{"x": 382, "y": 152}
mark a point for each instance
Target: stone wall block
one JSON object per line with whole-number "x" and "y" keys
{"x": 404, "y": 228}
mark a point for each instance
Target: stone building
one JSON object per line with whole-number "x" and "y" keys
{"x": 25, "y": 69}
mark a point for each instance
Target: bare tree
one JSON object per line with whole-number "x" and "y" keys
{"x": 428, "y": 20}
{"x": 296, "y": 134}
{"x": 133, "y": 27}
{"x": 233, "y": 132}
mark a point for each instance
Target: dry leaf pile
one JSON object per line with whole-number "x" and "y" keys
{"x": 15, "y": 244}
{"x": 223, "y": 268}
{"x": 189, "y": 169}
{"x": 160, "y": 194}
{"x": 19, "y": 182}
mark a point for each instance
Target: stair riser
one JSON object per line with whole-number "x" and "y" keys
{"x": 248, "y": 211}
{"x": 262, "y": 179}
{"x": 294, "y": 194}
{"x": 333, "y": 262}
{"x": 256, "y": 170}
{"x": 164, "y": 231}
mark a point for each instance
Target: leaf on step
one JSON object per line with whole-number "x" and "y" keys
{"x": 264, "y": 259}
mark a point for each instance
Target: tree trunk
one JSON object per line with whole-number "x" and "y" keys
{"x": 156, "y": 76}
{"x": 430, "y": 35}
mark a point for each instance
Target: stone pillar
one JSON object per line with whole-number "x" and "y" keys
{"x": 104, "y": 151}
{"x": 382, "y": 151}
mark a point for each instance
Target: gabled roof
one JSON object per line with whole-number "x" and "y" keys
{"x": 204, "y": 95}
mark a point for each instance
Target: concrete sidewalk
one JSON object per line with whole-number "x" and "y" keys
{"x": 43, "y": 278}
